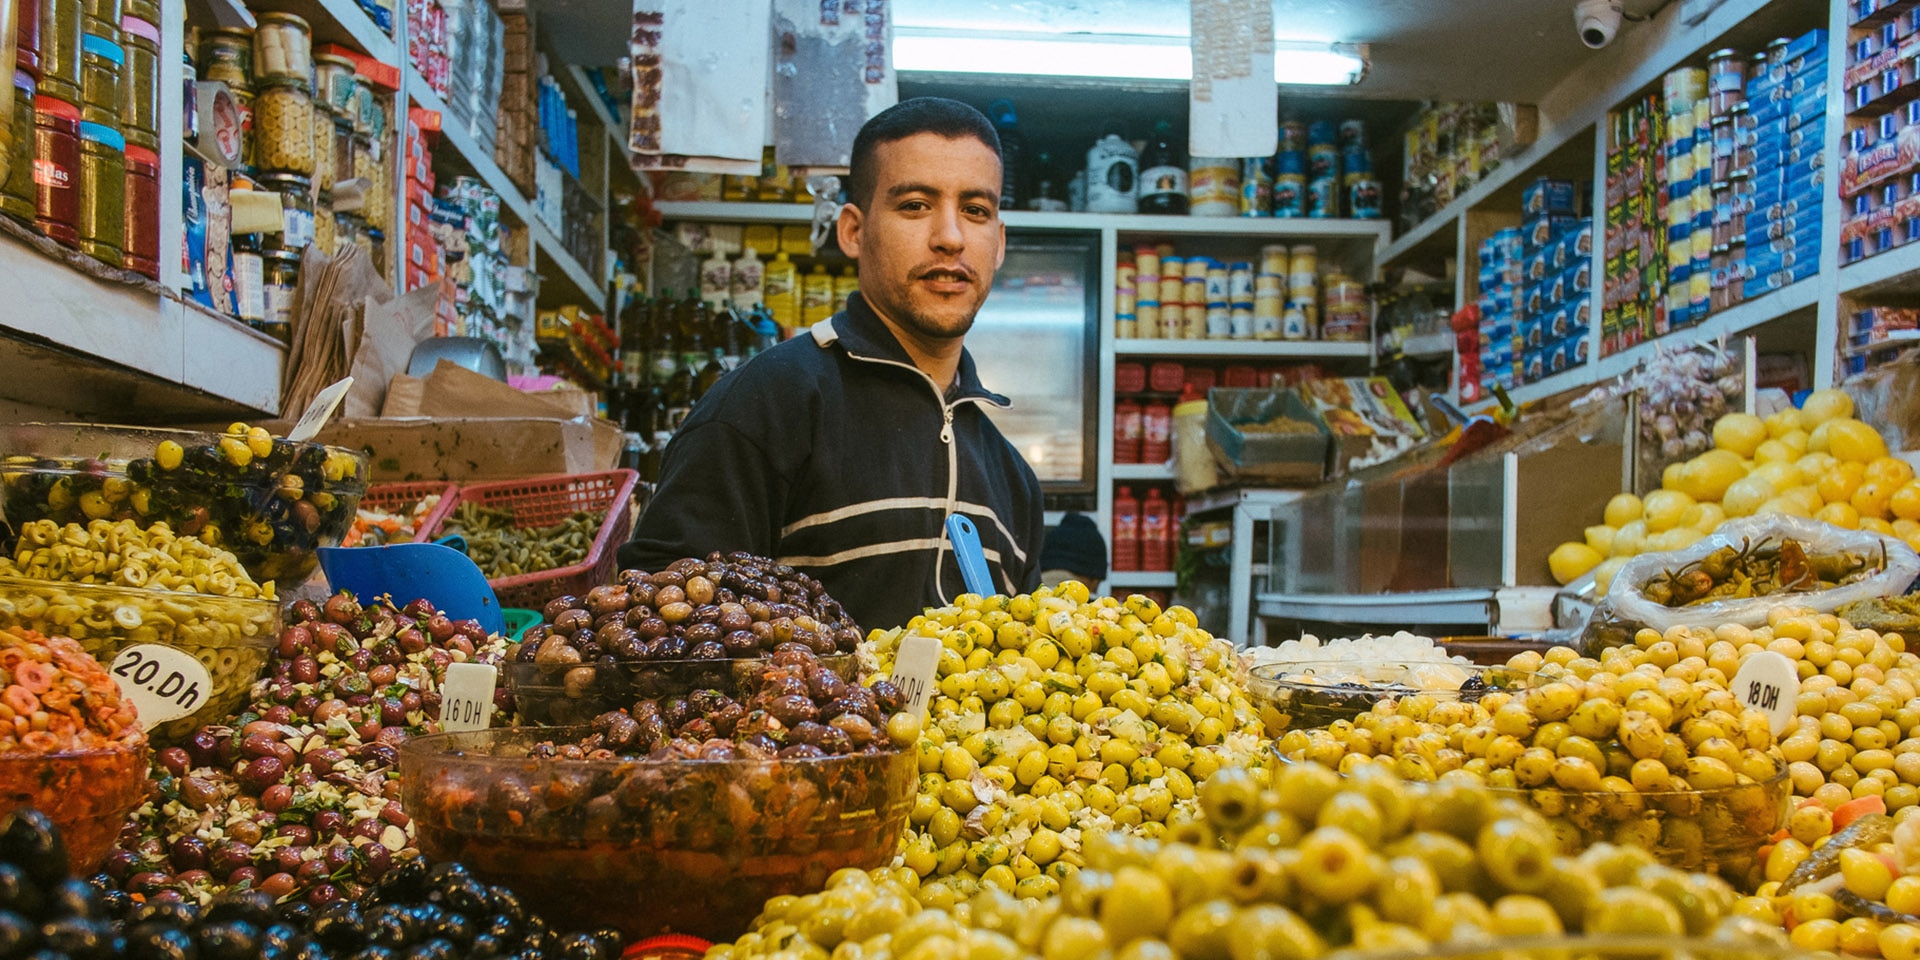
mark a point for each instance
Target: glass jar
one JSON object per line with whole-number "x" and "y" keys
{"x": 280, "y": 283}
{"x": 340, "y": 149}
{"x": 102, "y": 60}
{"x": 325, "y": 227}
{"x": 296, "y": 204}
{"x": 142, "y": 231}
{"x": 147, "y": 10}
{"x": 333, "y": 81}
{"x": 379, "y": 193}
{"x": 249, "y": 279}
{"x": 16, "y": 195}
{"x": 376, "y": 248}
{"x": 243, "y": 103}
{"x": 106, "y": 11}
{"x": 364, "y": 107}
{"x": 60, "y": 50}
{"x": 102, "y": 222}
{"x": 322, "y": 139}
{"x": 140, "y": 107}
{"x": 226, "y": 55}
{"x": 282, "y": 48}
{"x": 26, "y": 14}
{"x": 283, "y": 128}
{"x": 56, "y": 169}
{"x": 347, "y": 229}
{"x": 363, "y": 159}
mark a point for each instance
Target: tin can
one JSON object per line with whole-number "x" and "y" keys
{"x": 1220, "y": 321}
{"x": 1273, "y": 259}
{"x": 1197, "y": 267}
{"x": 1256, "y": 187}
{"x": 1293, "y": 136}
{"x": 1323, "y": 198}
{"x": 1722, "y": 212}
{"x": 1363, "y": 199}
{"x": 1173, "y": 273}
{"x": 1146, "y": 261}
{"x": 1126, "y": 326}
{"x": 27, "y": 37}
{"x": 1213, "y": 187}
{"x": 1173, "y": 320}
{"x": 1240, "y": 282}
{"x": 102, "y": 220}
{"x": 56, "y": 169}
{"x": 1289, "y": 195}
{"x": 141, "y": 231}
{"x": 1217, "y": 283}
{"x": 1195, "y": 325}
{"x": 1323, "y": 160}
{"x": 1146, "y": 315}
{"x": 60, "y": 30}
{"x": 1194, "y": 290}
{"x": 1682, "y": 87}
{"x": 1126, "y": 277}
{"x": 1290, "y": 161}
{"x": 1240, "y": 322}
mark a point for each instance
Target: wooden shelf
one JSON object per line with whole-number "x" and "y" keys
{"x": 1304, "y": 349}
{"x": 467, "y": 153}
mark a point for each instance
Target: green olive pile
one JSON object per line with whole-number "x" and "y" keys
{"x": 1055, "y": 718}
{"x": 501, "y": 549}
{"x": 1316, "y": 863}
{"x": 269, "y": 500}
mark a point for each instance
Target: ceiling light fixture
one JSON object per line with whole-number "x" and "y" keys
{"x": 1108, "y": 55}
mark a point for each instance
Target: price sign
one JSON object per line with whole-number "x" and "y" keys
{"x": 320, "y": 411}
{"x": 1768, "y": 682}
{"x": 163, "y": 683}
{"x": 466, "y": 699}
{"x": 913, "y": 670}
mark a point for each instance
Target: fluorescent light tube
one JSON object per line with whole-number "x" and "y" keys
{"x": 1111, "y": 56}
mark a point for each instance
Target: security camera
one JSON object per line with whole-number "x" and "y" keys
{"x": 1597, "y": 21}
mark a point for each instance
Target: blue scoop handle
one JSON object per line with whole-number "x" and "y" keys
{"x": 973, "y": 561}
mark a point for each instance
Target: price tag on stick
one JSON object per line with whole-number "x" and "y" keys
{"x": 913, "y": 670}
{"x": 466, "y": 699}
{"x": 1768, "y": 682}
{"x": 164, "y": 683}
{"x": 320, "y": 411}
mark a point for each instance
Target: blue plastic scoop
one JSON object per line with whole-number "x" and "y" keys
{"x": 412, "y": 571}
{"x": 973, "y": 560}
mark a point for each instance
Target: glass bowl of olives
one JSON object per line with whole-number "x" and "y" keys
{"x": 1314, "y": 693}
{"x": 568, "y": 694}
{"x": 650, "y": 846}
{"x": 269, "y": 500}
{"x": 228, "y": 636}
{"x": 88, "y": 794}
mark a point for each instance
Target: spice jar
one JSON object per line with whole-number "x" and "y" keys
{"x": 102, "y": 221}
{"x": 322, "y": 144}
{"x": 140, "y": 107}
{"x": 280, "y": 284}
{"x": 283, "y": 128}
{"x": 60, "y": 50}
{"x": 282, "y": 48}
{"x": 26, "y": 14}
{"x": 333, "y": 81}
{"x": 226, "y": 55}
{"x": 101, "y": 61}
{"x": 56, "y": 169}
{"x": 142, "y": 230}
{"x": 16, "y": 194}
{"x": 296, "y": 204}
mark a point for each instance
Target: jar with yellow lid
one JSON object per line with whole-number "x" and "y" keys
{"x": 283, "y": 128}
{"x": 226, "y": 55}
{"x": 282, "y": 48}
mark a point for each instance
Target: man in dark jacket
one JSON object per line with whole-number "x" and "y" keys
{"x": 843, "y": 450}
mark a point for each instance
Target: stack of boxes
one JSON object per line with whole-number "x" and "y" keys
{"x": 517, "y": 124}
{"x": 427, "y": 43}
{"x": 1882, "y": 145}
{"x": 420, "y": 257}
{"x": 1502, "y": 292}
{"x": 476, "y": 38}
{"x": 1787, "y": 101}
{"x": 1555, "y": 307}
{"x": 1633, "y": 304}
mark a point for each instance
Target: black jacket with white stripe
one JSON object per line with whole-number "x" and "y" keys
{"x": 834, "y": 453}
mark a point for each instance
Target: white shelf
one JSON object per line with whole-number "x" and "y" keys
{"x": 1242, "y": 348}
{"x": 1143, "y": 471}
{"x": 1292, "y": 228}
{"x": 1753, "y": 313}
{"x": 1888, "y": 273}
{"x": 1166, "y": 580}
{"x": 547, "y": 245}
{"x": 715, "y": 211}
{"x": 1429, "y": 345}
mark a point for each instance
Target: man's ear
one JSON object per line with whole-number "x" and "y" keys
{"x": 847, "y": 230}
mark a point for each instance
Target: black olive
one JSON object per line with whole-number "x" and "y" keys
{"x": 173, "y": 913}
{"x": 73, "y": 898}
{"x": 453, "y": 927}
{"x": 17, "y": 934}
{"x": 79, "y": 938}
{"x": 31, "y": 840}
{"x": 434, "y": 949}
{"x": 296, "y": 913}
{"x": 307, "y": 948}
{"x": 582, "y": 946}
{"x": 116, "y": 903}
{"x": 440, "y": 873}
{"x": 468, "y": 896}
{"x": 499, "y": 926}
{"x": 372, "y": 953}
{"x": 426, "y": 916}
{"x": 610, "y": 940}
{"x": 485, "y": 946}
{"x": 387, "y": 927}
{"x": 18, "y": 892}
{"x": 506, "y": 903}
{"x": 159, "y": 941}
{"x": 250, "y": 906}
{"x": 404, "y": 883}
{"x": 339, "y": 927}
{"x": 279, "y": 937}
{"x": 229, "y": 940}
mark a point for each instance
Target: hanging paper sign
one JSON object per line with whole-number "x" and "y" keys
{"x": 1230, "y": 102}
{"x": 699, "y": 85}
{"x": 832, "y": 71}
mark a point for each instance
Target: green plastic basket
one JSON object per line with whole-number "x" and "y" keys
{"x": 518, "y": 621}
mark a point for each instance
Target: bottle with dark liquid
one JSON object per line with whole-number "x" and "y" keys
{"x": 1163, "y": 173}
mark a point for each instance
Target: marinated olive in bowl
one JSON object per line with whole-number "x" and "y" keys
{"x": 563, "y": 694}
{"x": 269, "y": 500}
{"x": 1308, "y": 694}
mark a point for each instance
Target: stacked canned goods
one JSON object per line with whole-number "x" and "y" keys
{"x": 1786, "y": 163}
{"x": 1320, "y": 170}
{"x": 1877, "y": 178}
{"x": 1162, "y": 295}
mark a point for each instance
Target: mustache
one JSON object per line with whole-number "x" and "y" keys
{"x": 960, "y": 269}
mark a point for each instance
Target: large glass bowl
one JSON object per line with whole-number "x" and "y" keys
{"x": 87, "y": 794}
{"x": 559, "y": 695}
{"x": 229, "y": 636}
{"x": 273, "y": 513}
{"x": 1314, "y": 693}
{"x": 693, "y": 847}
{"x": 1611, "y": 947}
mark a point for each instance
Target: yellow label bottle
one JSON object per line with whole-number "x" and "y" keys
{"x": 844, "y": 286}
{"x": 816, "y": 295}
{"x": 783, "y": 301}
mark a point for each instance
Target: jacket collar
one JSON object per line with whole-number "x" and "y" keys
{"x": 864, "y": 336}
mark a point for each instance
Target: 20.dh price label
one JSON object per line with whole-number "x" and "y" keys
{"x": 164, "y": 683}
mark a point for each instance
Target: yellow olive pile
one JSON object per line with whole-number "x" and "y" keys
{"x": 1056, "y": 716}
{"x": 126, "y": 554}
{"x": 1316, "y": 863}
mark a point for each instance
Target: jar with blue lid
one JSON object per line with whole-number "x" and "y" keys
{"x": 103, "y": 192}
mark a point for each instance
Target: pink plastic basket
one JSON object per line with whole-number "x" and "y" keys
{"x": 545, "y": 501}
{"x": 400, "y": 497}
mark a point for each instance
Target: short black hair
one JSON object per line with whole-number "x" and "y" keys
{"x": 939, "y": 115}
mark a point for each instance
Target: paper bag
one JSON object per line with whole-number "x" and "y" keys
{"x": 388, "y": 335}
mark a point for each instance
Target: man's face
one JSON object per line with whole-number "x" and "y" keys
{"x": 930, "y": 237}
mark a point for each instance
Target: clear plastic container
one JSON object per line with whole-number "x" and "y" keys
{"x": 87, "y": 794}
{"x": 691, "y": 846}
{"x": 1314, "y": 693}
